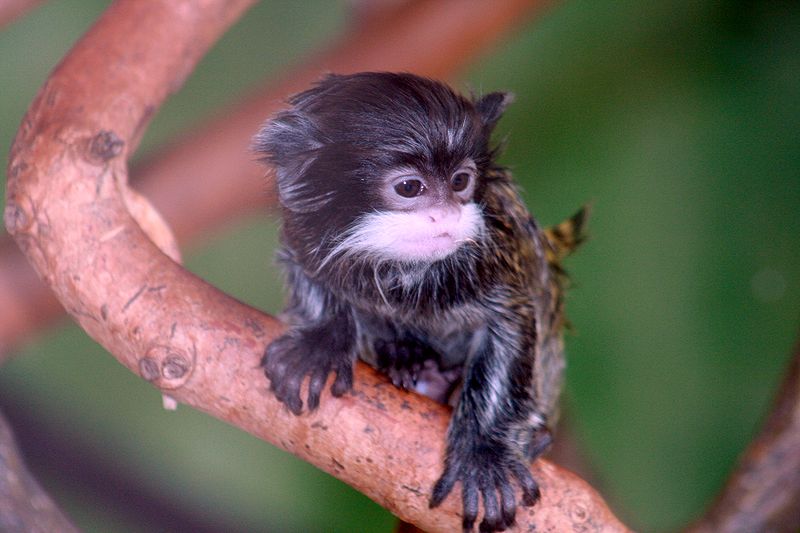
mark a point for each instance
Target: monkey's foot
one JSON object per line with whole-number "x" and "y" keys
{"x": 403, "y": 360}
{"x": 300, "y": 354}
{"x": 485, "y": 471}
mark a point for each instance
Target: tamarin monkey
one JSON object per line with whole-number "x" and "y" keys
{"x": 406, "y": 244}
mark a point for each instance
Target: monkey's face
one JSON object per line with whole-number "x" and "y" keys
{"x": 380, "y": 167}
{"x": 423, "y": 217}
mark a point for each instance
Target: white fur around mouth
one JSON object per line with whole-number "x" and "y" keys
{"x": 410, "y": 236}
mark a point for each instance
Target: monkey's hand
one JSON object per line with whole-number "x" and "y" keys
{"x": 487, "y": 467}
{"x": 311, "y": 352}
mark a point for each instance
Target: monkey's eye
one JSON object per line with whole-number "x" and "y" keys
{"x": 409, "y": 188}
{"x": 459, "y": 181}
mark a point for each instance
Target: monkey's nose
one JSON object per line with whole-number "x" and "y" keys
{"x": 444, "y": 215}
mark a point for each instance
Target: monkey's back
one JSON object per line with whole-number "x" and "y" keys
{"x": 522, "y": 262}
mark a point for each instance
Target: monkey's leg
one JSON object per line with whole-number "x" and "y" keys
{"x": 492, "y": 429}
{"x": 311, "y": 350}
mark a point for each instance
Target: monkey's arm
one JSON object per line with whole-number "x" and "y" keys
{"x": 491, "y": 432}
{"x": 320, "y": 341}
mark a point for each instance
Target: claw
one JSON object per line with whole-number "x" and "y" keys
{"x": 294, "y": 403}
{"x": 491, "y": 515}
{"x": 530, "y": 489}
{"x": 443, "y": 487}
{"x": 469, "y": 494}
{"x": 343, "y": 382}
{"x": 509, "y": 504}
{"x": 315, "y": 385}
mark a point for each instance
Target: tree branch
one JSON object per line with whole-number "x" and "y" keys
{"x": 86, "y": 233}
{"x": 24, "y": 506}
{"x": 763, "y": 492}
{"x": 10, "y": 10}
{"x": 200, "y": 189}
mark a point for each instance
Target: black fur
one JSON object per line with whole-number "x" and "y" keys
{"x": 487, "y": 315}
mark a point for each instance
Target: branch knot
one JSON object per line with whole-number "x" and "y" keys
{"x": 105, "y": 146}
{"x": 14, "y": 217}
{"x": 165, "y": 367}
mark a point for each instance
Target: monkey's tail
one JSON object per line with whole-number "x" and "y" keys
{"x": 564, "y": 238}
{"x": 561, "y": 240}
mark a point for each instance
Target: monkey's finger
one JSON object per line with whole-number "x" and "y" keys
{"x": 469, "y": 496}
{"x": 443, "y": 487}
{"x": 288, "y": 391}
{"x": 285, "y": 397}
{"x": 492, "y": 520}
{"x": 315, "y": 386}
{"x": 530, "y": 489}
{"x": 343, "y": 381}
{"x": 270, "y": 366}
{"x": 295, "y": 405}
{"x": 275, "y": 362}
{"x": 509, "y": 503}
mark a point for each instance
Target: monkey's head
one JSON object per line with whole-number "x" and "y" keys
{"x": 380, "y": 167}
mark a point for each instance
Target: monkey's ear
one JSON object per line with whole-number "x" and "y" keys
{"x": 491, "y": 106}
{"x": 289, "y": 143}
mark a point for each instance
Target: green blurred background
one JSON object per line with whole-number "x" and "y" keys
{"x": 678, "y": 119}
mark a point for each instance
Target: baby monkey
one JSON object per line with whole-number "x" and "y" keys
{"x": 405, "y": 244}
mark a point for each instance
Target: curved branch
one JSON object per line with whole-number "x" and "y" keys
{"x": 225, "y": 184}
{"x": 10, "y": 10}
{"x": 402, "y": 40}
{"x": 763, "y": 492}
{"x": 70, "y": 210}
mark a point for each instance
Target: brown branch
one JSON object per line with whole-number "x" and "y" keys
{"x": 24, "y": 506}
{"x": 458, "y": 30}
{"x": 69, "y": 208}
{"x": 10, "y": 10}
{"x": 205, "y": 181}
{"x": 26, "y": 303}
{"x": 763, "y": 492}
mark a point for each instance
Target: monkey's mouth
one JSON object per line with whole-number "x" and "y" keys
{"x": 432, "y": 247}
{"x": 409, "y": 237}
{"x": 423, "y": 243}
